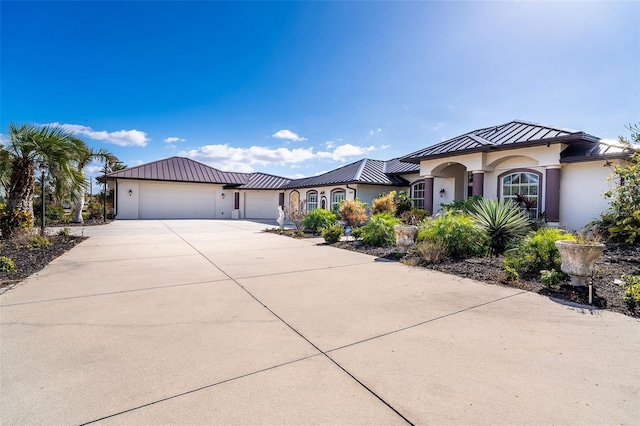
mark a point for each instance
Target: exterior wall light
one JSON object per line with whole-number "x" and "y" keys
{"x": 130, "y": 193}
{"x": 223, "y": 195}
{"x": 442, "y": 191}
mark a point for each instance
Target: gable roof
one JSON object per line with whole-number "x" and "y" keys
{"x": 515, "y": 134}
{"x": 179, "y": 169}
{"x": 367, "y": 171}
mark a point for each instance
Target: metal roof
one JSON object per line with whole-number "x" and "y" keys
{"x": 515, "y": 134}
{"x": 264, "y": 181}
{"x": 375, "y": 172}
{"x": 179, "y": 169}
{"x": 599, "y": 151}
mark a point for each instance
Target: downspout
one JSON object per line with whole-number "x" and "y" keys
{"x": 115, "y": 200}
{"x": 355, "y": 191}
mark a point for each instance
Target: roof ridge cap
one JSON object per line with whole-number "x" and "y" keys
{"x": 360, "y": 169}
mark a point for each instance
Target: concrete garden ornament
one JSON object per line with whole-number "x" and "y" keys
{"x": 405, "y": 235}
{"x": 578, "y": 259}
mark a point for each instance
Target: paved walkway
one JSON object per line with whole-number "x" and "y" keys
{"x": 216, "y": 322}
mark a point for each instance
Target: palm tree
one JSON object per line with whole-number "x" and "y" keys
{"x": 86, "y": 155}
{"x": 28, "y": 146}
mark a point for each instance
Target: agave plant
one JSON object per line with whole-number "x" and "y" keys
{"x": 502, "y": 220}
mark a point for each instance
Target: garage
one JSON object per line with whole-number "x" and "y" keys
{"x": 261, "y": 204}
{"x": 168, "y": 200}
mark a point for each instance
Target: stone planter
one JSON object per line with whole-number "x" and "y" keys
{"x": 405, "y": 236}
{"x": 578, "y": 260}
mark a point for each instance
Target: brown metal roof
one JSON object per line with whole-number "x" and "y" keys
{"x": 264, "y": 181}
{"x": 179, "y": 169}
{"x": 515, "y": 134}
{"x": 599, "y": 151}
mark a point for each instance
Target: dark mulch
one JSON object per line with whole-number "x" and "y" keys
{"x": 31, "y": 260}
{"x": 615, "y": 261}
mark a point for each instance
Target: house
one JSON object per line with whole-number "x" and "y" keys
{"x": 364, "y": 179}
{"x": 558, "y": 172}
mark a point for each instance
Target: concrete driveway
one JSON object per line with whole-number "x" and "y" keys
{"x": 216, "y": 322}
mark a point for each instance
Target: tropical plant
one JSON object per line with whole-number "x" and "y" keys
{"x": 6, "y": 264}
{"x": 631, "y": 286}
{"x": 624, "y": 196}
{"x": 551, "y": 277}
{"x": 458, "y": 232}
{"x": 461, "y": 206}
{"x": 29, "y": 145}
{"x": 332, "y": 232}
{"x": 402, "y": 203}
{"x": 535, "y": 252}
{"x": 384, "y": 204}
{"x": 379, "y": 230}
{"x": 502, "y": 221}
{"x": 85, "y": 156}
{"x": 414, "y": 216}
{"x": 317, "y": 219}
{"x": 352, "y": 212}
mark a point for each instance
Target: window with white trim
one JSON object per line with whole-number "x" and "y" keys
{"x": 312, "y": 200}
{"x": 417, "y": 195}
{"x": 337, "y": 196}
{"x": 523, "y": 188}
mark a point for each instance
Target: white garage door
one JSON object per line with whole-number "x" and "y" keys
{"x": 176, "y": 201}
{"x": 261, "y": 205}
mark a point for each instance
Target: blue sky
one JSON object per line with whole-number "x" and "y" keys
{"x": 298, "y": 88}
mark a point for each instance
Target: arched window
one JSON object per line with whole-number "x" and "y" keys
{"x": 523, "y": 187}
{"x": 417, "y": 195}
{"x": 337, "y": 196}
{"x": 312, "y": 200}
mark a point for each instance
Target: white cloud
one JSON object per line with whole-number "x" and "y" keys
{"x": 289, "y": 135}
{"x": 342, "y": 152}
{"x": 173, "y": 139}
{"x": 373, "y": 132}
{"x": 120, "y": 137}
{"x": 225, "y": 157}
{"x": 329, "y": 144}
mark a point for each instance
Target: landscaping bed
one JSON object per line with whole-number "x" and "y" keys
{"x": 615, "y": 261}
{"x": 31, "y": 260}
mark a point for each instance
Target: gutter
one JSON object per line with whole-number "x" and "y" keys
{"x": 355, "y": 191}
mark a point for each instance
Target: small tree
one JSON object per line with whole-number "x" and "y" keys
{"x": 352, "y": 212}
{"x": 624, "y": 197}
{"x": 296, "y": 214}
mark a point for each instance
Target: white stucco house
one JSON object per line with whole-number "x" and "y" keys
{"x": 560, "y": 172}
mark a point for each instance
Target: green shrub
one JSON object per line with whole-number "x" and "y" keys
{"x": 384, "y": 204}
{"x": 413, "y": 216}
{"x": 64, "y": 232}
{"x": 550, "y": 277}
{"x": 535, "y": 252}
{"x": 317, "y": 219}
{"x": 356, "y": 233}
{"x": 464, "y": 206}
{"x": 6, "y": 264}
{"x": 379, "y": 230}
{"x": 502, "y": 221}
{"x": 631, "y": 286}
{"x": 14, "y": 222}
{"x": 36, "y": 241}
{"x": 402, "y": 203}
{"x": 459, "y": 234}
{"x": 332, "y": 232}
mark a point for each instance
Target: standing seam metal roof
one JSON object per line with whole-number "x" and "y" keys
{"x": 504, "y": 136}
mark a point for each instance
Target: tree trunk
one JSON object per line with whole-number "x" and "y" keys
{"x": 20, "y": 196}
{"x": 78, "y": 206}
